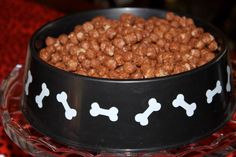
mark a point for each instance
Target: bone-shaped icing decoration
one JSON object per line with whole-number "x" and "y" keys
{"x": 189, "y": 108}
{"x": 39, "y": 98}
{"x": 69, "y": 112}
{"x": 112, "y": 113}
{"x": 228, "y": 85}
{"x": 29, "y": 80}
{"x": 211, "y": 93}
{"x": 142, "y": 118}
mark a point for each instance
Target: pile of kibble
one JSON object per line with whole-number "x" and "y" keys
{"x": 131, "y": 47}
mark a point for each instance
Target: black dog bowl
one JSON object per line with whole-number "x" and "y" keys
{"x": 125, "y": 115}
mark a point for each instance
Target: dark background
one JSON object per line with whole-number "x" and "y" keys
{"x": 222, "y": 13}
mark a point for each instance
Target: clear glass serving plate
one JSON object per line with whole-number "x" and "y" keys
{"x": 221, "y": 143}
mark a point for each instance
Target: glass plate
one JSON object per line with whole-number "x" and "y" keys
{"x": 221, "y": 143}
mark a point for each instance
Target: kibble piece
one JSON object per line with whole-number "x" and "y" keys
{"x": 72, "y": 65}
{"x": 50, "y": 41}
{"x": 111, "y": 64}
{"x": 129, "y": 67}
{"x": 63, "y": 39}
{"x": 213, "y": 46}
{"x": 44, "y": 55}
{"x": 55, "y": 58}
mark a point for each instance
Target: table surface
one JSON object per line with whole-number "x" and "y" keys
{"x": 16, "y": 26}
{"x": 18, "y": 20}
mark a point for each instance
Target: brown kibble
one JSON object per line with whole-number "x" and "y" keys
{"x": 213, "y": 46}
{"x": 50, "y": 41}
{"x": 73, "y": 38}
{"x": 76, "y": 50}
{"x": 174, "y": 47}
{"x": 189, "y": 22}
{"x": 161, "y": 43}
{"x": 119, "y": 59}
{"x": 63, "y": 39}
{"x": 131, "y": 47}
{"x": 170, "y": 16}
{"x": 168, "y": 67}
{"x": 65, "y": 59}
{"x": 119, "y": 42}
{"x": 151, "y": 52}
{"x": 127, "y": 18}
{"x": 207, "y": 38}
{"x": 111, "y": 33}
{"x": 80, "y": 36}
{"x": 92, "y": 72}
{"x": 72, "y": 65}
{"x": 129, "y": 67}
{"x": 110, "y": 64}
{"x": 93, "y": 34}
{"x": 85, "y": 45}
{"x": 113, "y": 74}
{"x": 159, "y": 72}
{"x": 168, "y": 36}
{"x": 201, "y": 62}
{"x": 86, "y": 64}
{"x": 51, "y": 49}
{"x": 81, "y": 71}
{"x": 127, "y": 56}
{"x": 149, "y": 73}
{"x": 137, "y": 75}
{"x": 196, "y": 53}
{"x": 90, "y": 54}
{"x": 94, "y": 45}
{"x": 130, "y": 38}
{"x": 87, "y": 26}
{"x": 94, "y": 63}
{"x": 102, "y": 71}
{"x": 44, "y": 55}
{"x": 184, "y": 37}
{"x": 174, "y": 24}
{"x": 209, "y": 56}
{"x": 107, "y": 48}
{"x": 81, "y": 57}
{"x": 196, "y": 32}
{"x": 55, "y": 58}
{"x": 60, "y": 65}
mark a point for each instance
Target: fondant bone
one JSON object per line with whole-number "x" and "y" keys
{"x": 69, "y": 112}
{"x": 189, "y": 108}
{"x": 29, "y": 80}
{"x": 111, "y": 113}
{"x": 211, "y": 93}
{"x": 39, "y": 98}
{"x": 142, "y": 118}
{"x": 228, "y": 85}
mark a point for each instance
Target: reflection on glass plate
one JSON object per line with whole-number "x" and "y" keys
{"x": 221, "y": 143}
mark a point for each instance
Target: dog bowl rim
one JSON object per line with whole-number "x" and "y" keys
{"x": 34, "y": 51}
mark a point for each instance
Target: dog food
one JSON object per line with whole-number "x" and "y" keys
{"x": 131, "y": 47}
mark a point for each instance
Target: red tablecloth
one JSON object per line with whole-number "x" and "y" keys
{"x": 18, "y": 20}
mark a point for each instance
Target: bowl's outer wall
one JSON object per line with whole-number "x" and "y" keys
{"x": 167, "y": 127}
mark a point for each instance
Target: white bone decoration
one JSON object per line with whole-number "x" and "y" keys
{"x": 189, "y": 108}
{"x": 112, "y": 113}
{"x": 142, "y": 118}
{"x": 211, "y": 93}
{"x": 29, "y": 80}
{"x": 228, "y": 85}
{"x": 39, "y": 98}
{"x": 69, "y": 112}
